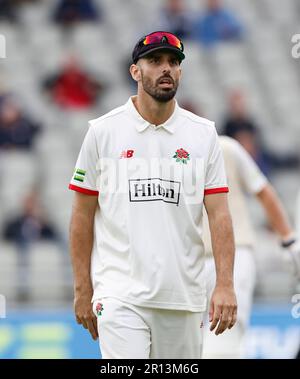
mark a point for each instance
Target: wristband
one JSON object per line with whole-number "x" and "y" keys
{"x": 288, "y": 243}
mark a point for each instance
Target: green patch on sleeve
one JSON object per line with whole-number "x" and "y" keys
{"x": 80, "y": 172}
{"x": 78, "y": 178}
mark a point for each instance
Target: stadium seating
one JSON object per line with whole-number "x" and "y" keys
{"x": 261, "y": 64}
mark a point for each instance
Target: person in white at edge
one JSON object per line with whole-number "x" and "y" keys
{"x": 144, "y": 267}
{"x": 244, "y": 178}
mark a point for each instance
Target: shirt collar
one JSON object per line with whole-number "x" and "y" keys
{"x": 142, "y": 124}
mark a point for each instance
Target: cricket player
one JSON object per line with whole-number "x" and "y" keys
{"x": 245, "y": 178}
{"x": 144, "y": 173}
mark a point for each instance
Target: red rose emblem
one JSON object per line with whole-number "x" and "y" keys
{"x": 99, "y": 308}
{"x": 181, "y": 153}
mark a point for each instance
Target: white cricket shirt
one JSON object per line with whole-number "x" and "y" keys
{"x": 150, "y": 182}
{"x": 244, "y": 178}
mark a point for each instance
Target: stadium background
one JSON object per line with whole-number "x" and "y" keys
{"x": 39, "y": 321}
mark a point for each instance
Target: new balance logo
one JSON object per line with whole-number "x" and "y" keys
{"x": 153, "y": 189}
{"x": 127, "y": 154}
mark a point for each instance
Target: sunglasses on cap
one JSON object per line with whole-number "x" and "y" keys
{"x": 156, "y": 41}
{"x": 163, "y": 37}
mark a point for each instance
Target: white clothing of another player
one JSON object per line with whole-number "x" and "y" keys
{"x": 244, "y": 179}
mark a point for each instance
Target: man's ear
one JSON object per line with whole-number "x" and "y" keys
{"x": 135, "y": 72}
{"x": 180, "y": 72}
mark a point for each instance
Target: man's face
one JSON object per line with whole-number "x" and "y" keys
{"x": 160, "y": 74}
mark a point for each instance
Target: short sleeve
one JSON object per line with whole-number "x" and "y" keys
{"x": 84, "y": 178}
{"x": 215, "y": 179}
{"x": 253, "y": 180}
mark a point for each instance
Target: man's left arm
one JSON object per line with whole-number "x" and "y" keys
{"x": 223, "y": 305}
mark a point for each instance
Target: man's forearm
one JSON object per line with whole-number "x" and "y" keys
{"x": 275, "y": 211}
{"x": 223, "y": 247}
{"x": 81, "y": 245}
{"x": 223, "y": 305}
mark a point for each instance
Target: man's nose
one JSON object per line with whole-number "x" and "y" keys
{"x": 166, "y": 67}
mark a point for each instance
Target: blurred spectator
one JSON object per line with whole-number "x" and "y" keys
{"x": 73, "y": 88}
{"x": 9, "y": 9}
{"x": 16, "y": 129}
{"x": 218, "y": 24}
{"x": 3, "y": 96}
{"x": 190, "y": 106}
{"x": 70, "y": 12}
{"x": 175, "y": 19}
{"x": 28, "y": 227}
{"x": 240, "y": 126}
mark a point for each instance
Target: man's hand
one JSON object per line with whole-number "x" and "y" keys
{"x": 223, "y": 309}
{"x": 85, "y": 315}
{"x": 292, "y": 257}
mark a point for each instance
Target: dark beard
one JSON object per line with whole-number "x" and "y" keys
{"x": 159, "y": 94}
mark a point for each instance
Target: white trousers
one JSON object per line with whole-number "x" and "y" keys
{"x": 128, "y": 331}
{"x": 229, "y": 344}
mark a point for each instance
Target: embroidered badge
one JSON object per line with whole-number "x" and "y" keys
{"x": 182, "y": 155}
{"x": 99, "y": 309}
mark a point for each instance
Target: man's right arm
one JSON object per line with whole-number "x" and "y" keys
{"x": 81, "y": 245}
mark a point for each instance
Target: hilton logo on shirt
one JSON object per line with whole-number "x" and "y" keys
{"x": 153, "y": 189}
